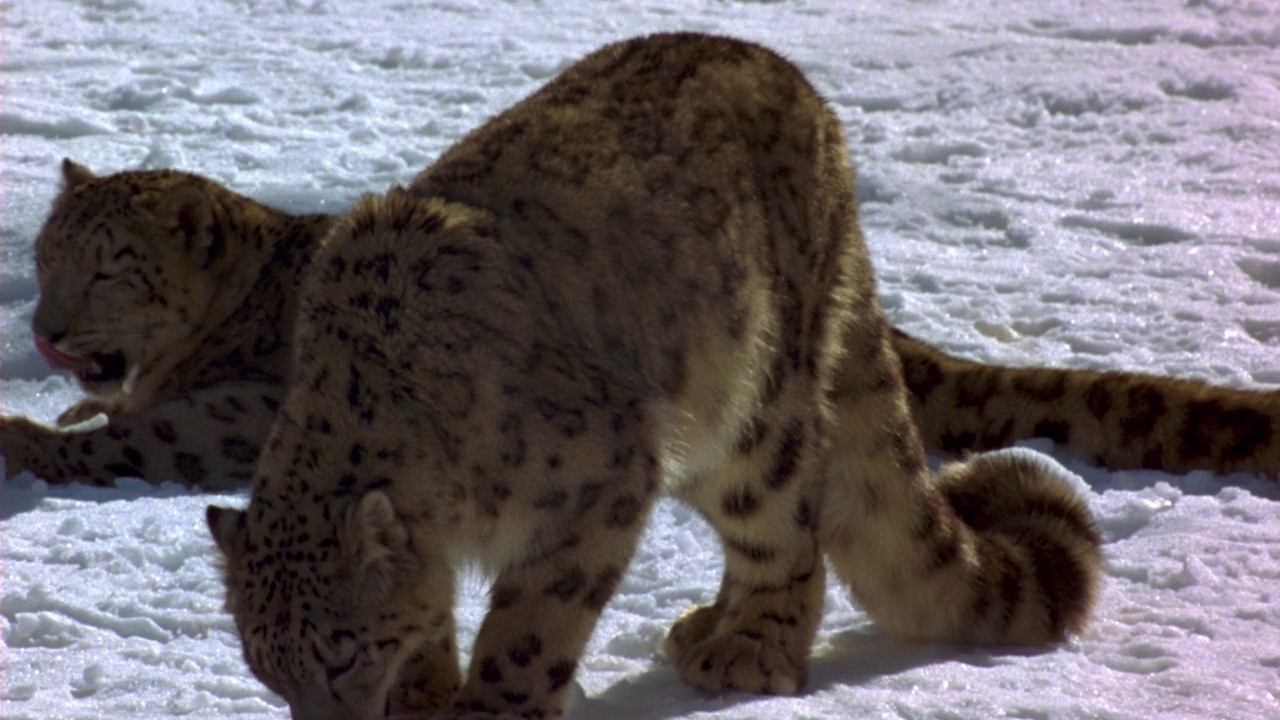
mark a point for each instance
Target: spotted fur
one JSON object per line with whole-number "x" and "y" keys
{"x": 1118, "y": 420}
{"x": 172, "y": 299}
{"x": 127, "y": 260}
{"x": 199, "y": 408}
{"x": 648, "y": 277}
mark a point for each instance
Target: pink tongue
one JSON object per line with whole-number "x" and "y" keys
{"x": 59, "y": 360}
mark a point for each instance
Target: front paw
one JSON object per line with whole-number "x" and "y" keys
{"x": 85, "y": 410}
{"x": 24, "y": 450}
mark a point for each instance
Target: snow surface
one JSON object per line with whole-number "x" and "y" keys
{"x": 1083, "y": 183}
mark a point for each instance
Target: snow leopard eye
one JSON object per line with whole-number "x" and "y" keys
{"x": 120, "y": 262}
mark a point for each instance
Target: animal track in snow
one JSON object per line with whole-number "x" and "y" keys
{"x": 1264, "y": 272}
{"x": 938, "y": 153}
{"x": 1264, "y": 331}
{"x": 1141, "y": 658}
{"x": 1135, "y": 231}
{"x": 64, "y": 129}
{"x": 1206, "y": 89}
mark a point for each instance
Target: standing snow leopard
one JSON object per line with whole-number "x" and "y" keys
{"x": 647, "y": 277}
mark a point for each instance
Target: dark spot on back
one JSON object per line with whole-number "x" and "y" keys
{"x": 133, "y": 456}
{"x": 1044, "y": 386}
{"x": 1146, "y": 405}
{"x": 190, "y": 467}
{"x": 1214, "y": 431}
{"x": 164, "y": 431}
{"x": 1058, "y": 431}
{"x": 922, "y": 375}
{"x": 240, "y": 449}
{"x": 975, "y": 388}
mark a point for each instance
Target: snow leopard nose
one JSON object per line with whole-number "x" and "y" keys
{"x": 48, "y": 322}
{"x": 57, "y": 359}
{"x": 48, "y": 338}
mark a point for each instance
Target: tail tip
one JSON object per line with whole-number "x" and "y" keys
{"x": 1026, "y": 501}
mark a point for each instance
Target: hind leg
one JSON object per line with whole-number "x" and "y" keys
{"x": 757, "y": 635}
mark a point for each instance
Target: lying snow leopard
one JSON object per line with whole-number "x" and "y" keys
{"x": 646, "y": 278}
{"x": 172, "y": 300}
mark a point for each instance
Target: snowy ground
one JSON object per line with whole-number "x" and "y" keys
{"x": 1071, "y": 182}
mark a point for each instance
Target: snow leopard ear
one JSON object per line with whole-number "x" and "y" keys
{"x": 226, "y": 525}
{"x": 187, "y": 208}
{"x": 377, "y": 542}
{"x": 73, "y": 174}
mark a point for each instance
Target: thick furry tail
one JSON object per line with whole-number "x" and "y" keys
{"x": 1000, "y": 549}
{"x": 1118, "y": 420}
{"x": 1021, "y": 506}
